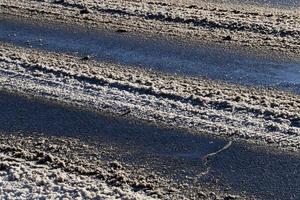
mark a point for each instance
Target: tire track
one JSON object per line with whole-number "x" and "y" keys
{"x": 251, "y": 27}
{"x": 165, "y": 99}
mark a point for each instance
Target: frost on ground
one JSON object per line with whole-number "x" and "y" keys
{"x": 239, "y": 25}
{"x": 202, "y": 106}
{"x": 28, "y": 180}
{"x": 35, "y": 166}
{"x": 35, "y": 174}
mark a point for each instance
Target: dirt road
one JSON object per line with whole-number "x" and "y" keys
{"x": 44, "y": 146}
{"x": 140, "y": 100}
{"x": 246, "y": 26}
{"x": 259, "y": 115}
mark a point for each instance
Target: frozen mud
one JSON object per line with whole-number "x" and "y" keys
{"x": 39, "y": 175}
{"x": 48, "y": 151}
{"x": 21, "y": 179}
{"x": 140, "y": 158}
{"x": 39, "y": 166}
{"x": 269, "y": 3}
{"x": 258, "y": 115}
{"x": 162, "y": 55}
{"x": 247, "y": 26}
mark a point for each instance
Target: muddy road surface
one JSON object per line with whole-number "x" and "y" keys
{"x": 175, "y": 57}
{"x": 115, "y": 156}
{"x": 149, "y": 100}
{"x": 246, "y": 26}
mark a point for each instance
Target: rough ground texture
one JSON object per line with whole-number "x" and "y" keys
{"x": 39, "y": 167}
{"x": 246, "y": 26}
{"x": 46, "y": 172}
{"x": 259, "y": 115}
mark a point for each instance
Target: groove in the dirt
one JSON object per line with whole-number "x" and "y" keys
{"x": 206, "y": 23}
{"x": 268, "y": 114}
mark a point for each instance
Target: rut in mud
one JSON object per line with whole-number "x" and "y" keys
{"x": 164, "y": 55}
{"x": 84, "y": 126}
{"x": 261, "y": 115}
{"x": 242, "y": 25}
{"x": 151, "y": 161}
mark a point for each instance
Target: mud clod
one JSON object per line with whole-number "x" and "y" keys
{"x": 121, "y": 31}
{"x": 85, "y": 11}
{"x": 4, "y": 167}
{"x": 230, "y": 197}
{"x": 86, "y": 58}
{"x": 46, "y": 159}
{"x": 115, "y": 165}
{"x": 227, "y": 38}
{"x": 58, "y": 1}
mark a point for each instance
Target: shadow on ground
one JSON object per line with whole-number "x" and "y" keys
{"x": 247, "y": 169}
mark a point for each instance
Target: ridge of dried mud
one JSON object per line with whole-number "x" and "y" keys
{"x": 242, "y": 25}
{"x": 202, "y": 106}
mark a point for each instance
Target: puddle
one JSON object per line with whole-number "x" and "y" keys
{"x": 167, "y": 56}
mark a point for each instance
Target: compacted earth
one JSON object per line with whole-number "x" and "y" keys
{"x": 75, "y": 125}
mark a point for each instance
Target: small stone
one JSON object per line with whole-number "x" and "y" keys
{"x": 225, "y": 105}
